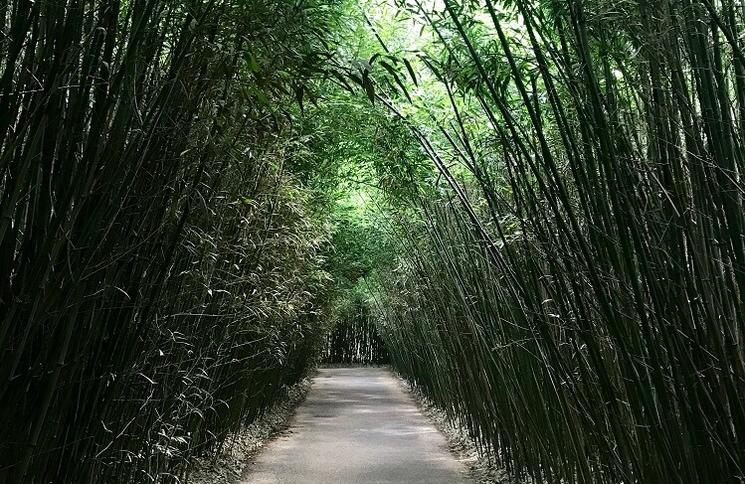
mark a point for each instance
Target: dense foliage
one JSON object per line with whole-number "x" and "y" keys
{"x": 534, "y": 208}
{"x": 161, "y": 264}
{"x": 576, "y": 299}
{"x": 358, "y": 250}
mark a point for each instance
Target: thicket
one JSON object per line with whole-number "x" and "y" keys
{"x": 574, "y": 296}
{"x": 161, "y": 260}
{"x": 539, "y": 216}
{"x": 356, "y": 158}
{"x": 353, "y": 336}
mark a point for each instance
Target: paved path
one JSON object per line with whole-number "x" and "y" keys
{"x": 357, "y": 426}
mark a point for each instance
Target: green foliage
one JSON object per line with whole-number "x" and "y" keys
{"x": 534, "y": 207}
{"x": 162, "y": 276}
{"x": 560, "y": 299}
{"x": 350, "y": 144}
{"x": 355, "y": 339}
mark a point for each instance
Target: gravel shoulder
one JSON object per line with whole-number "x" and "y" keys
{"x": 229, "y": 466}
{"x": 482, "y": 468}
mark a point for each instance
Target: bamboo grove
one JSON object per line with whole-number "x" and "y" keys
{"x": 532, "y": 208}
{"x": 355, "y": 338}
{"x": 160, "y": 264}
{"x": 575, "y": 299}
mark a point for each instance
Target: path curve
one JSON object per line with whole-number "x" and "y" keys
{"x": 357, "y": 426}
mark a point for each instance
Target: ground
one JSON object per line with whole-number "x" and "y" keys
{"x": 358, "y": 426}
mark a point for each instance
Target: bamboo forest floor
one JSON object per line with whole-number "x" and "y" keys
{"x": 358, "y": 425}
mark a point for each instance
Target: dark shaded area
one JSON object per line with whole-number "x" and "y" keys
{"x": 156, "y": 261}
{"x": 356, "y": 341}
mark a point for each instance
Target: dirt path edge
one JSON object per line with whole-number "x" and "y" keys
{"x": 482, "y": 468}
{"x": 230, "y": 465}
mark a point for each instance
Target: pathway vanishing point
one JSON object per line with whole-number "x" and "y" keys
{"x": 357, "y": 426}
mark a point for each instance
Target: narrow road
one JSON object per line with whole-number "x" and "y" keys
{"x": 357, "y": 426}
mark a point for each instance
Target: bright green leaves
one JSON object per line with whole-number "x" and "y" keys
{"x": 252, "y": 65}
